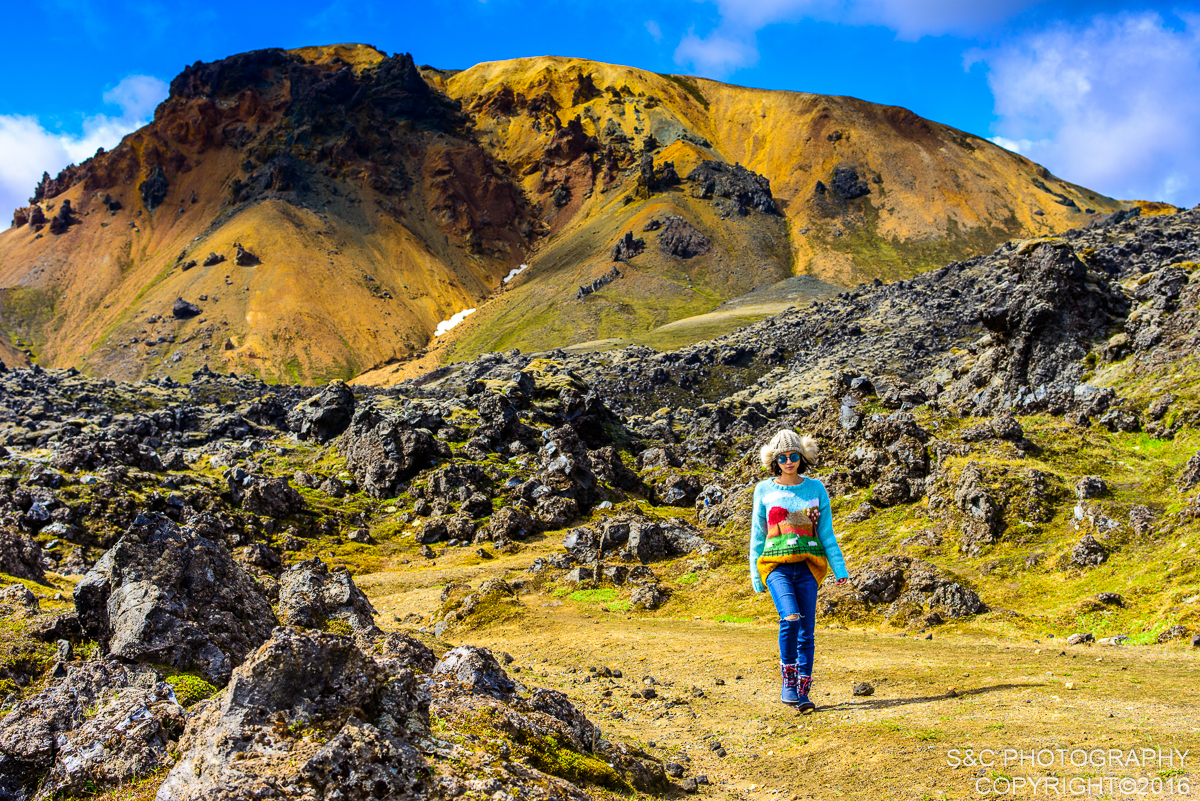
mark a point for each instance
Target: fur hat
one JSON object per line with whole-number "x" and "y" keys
{"x": 786, "y": 441}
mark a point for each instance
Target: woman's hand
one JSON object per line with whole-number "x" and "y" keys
{"x": 842, "y": 581}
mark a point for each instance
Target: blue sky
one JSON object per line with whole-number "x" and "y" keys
{"x": 1104, "y": 94}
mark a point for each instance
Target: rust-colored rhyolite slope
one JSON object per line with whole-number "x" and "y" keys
{"x": 379, "y": 198}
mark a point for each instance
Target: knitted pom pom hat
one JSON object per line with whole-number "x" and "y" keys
{"x": 785, "y": 442}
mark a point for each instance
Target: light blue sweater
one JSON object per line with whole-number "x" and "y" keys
{"x": 808, "y": 489}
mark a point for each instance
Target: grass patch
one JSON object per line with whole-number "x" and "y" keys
{"x": 594, "y": 596}
{"x": 688, "y": 85}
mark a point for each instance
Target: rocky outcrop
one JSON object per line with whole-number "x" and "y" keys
{"x": 1043, "y": 321}
{"x": 627, "y": 247}
{"x": 745, "y": 189}
{"x": 383, "y": 451}
{"x": 20, "y": 556}
{"x": 325, "y": 415}
{"x": 154, "y": 188}
{"x": 256, "y": 734}
{"x": 165, "y": 595}
{"x": 272, "y": 497}
{"x": 100, "y": 725}
{"x": 602, "y": 281}
{"x": 312, "y": 596}
{"x": 683, "y": 240}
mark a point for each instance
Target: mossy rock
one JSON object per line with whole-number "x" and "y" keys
{"x": 190, "y": 690}
{"x": 548, "y": 756}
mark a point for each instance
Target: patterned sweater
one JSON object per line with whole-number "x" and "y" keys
{"x": 782, "y": 532}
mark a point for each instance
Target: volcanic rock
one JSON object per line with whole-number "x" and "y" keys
{"x": 240, "y": 745}
{"x": 325, "y": 415}
{"x": 165, "y": 595}
{"x": 184, "y": 310}
{"x": 682, "y": 239}
{"x": 154, "y": 189}
{"x": 20, "y": 556}
{"x": 312, "y": 596}
{"x": 272, "y": 497}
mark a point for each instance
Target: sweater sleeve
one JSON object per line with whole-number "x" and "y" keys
{"x": 758, "y": 538}
{"x": 833, "y": 551}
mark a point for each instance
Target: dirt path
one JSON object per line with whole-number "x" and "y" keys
{"x": 717, "y": 683}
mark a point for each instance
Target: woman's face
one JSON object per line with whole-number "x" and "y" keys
{"x": 788, "y": 462}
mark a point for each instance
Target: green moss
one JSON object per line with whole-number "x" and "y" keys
{"x": 594, "y": 596}
{"x": 688, "y": 85}
{"x": 22, "y": 658}
{"x": 548, "y": 756}
{"x": 337, "y": 627}
{"x": 875, "y": 255}
{"x": 190, "y": 689}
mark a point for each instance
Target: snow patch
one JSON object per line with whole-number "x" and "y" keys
{"x": 446, "y": 325}
{"x": 514, "y": 272}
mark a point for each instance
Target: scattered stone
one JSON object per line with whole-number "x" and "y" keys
{"x": 1090, "y": 487}
{"x": 863, "y": 688}
{"x": 166, "y": 595}
{"x": 314, "y": 597}
{"x": 1088, "y": 553}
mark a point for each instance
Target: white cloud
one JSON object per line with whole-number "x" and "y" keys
{"x": 912, "y": 19}
{"x": 654, "y": 30}
{"x": 137, "y": 95}
{"x": 732, "y": 43}
{"x": 717, "y": 54}
{"x": 27, "y": 148}
{"x": 1112, "y": 104}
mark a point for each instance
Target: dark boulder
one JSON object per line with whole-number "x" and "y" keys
{"x": 1088, "y": 552}
{"x": 165, "y": 595}
{"x": 747, "y": 190}
{"x": 20, "y": 556}
{"x": 245, "y": 258}
{"x": 312, "y": 596}
{"x": 383, "y": 451}
{"x": 272, "y": 497}
{"x": 100, "y": 725}
{"x": 476, "y": 669}
{"x": 184, "y": 310}
{"x": 325, "y": 415}
{"x": 154, "y": 189}
{"x": 682, "y": 239}
{"x": 259, "y": 730}
{"x": 627, "y": 247}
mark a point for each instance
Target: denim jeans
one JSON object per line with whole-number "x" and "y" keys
{"x": 794, "y": 591}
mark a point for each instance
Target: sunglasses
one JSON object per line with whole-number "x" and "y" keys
{"x": 784, "y": 458}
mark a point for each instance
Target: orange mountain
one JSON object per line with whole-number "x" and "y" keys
{"x": 373, "y": 199}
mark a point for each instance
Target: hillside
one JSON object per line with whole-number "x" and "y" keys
{"x": 525, "y": 576}
{"x": 375, "y": 199}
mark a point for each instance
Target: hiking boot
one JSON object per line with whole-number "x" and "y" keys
{"x": 803, "y": 687}
{"x": 788, "y": 693}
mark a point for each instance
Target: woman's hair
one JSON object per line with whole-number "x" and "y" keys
{"x": 787, "y": 441}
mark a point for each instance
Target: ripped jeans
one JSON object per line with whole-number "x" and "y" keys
{"x": 794, "y": 591}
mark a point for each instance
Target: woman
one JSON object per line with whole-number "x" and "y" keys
{"x": 792, "y": 547}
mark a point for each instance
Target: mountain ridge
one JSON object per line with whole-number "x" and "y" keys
{"x": 378, "y": 198}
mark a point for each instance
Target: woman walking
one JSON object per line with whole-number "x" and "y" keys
{"x": 792, "y": 547}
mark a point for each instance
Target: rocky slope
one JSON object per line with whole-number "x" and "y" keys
{"x": 312, "y": 213}
{"x": 201, "y": 567}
